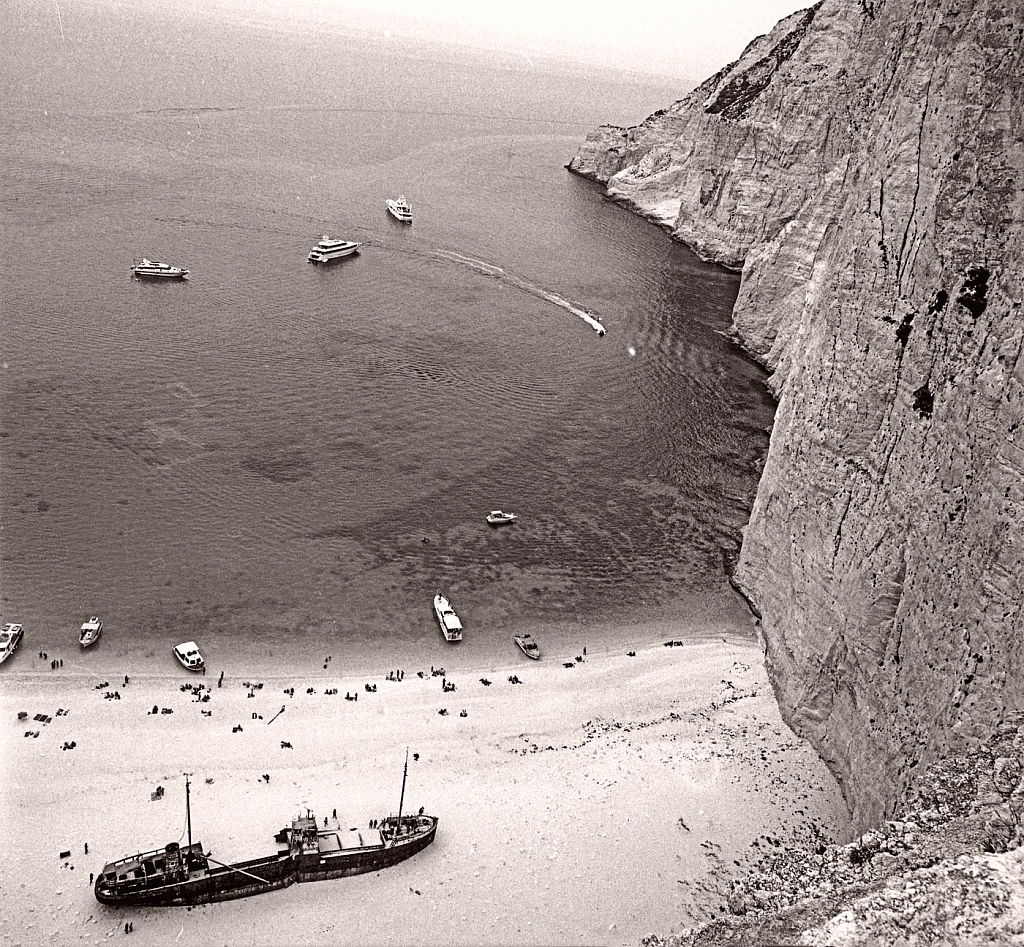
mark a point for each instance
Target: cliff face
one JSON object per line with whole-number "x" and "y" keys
{"x": 863, "y": 162}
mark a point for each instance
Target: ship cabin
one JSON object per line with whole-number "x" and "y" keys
{"x": 164, "y": 866}
{"x": 307, "y": 838}
{"x": 304, "y": 838}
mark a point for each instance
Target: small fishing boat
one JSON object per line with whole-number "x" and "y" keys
{"x": 188, "y": 654}
{"x": 329, "y": 249}
{"x": 91, "y": 631}
{"x": 153, "y": 269}
{"x": 400, "y": 210}
{"x": 499, "y": 517}
{"x": 176, "y": 875}
{"x": 10, "y": 638}
{"x": 528, "y": 646}
{"x": 451, "y": 627}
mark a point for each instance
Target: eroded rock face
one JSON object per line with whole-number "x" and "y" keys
{"x": 863, "y": 161}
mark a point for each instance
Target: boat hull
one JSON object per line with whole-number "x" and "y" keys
{"x": 228, "y": 883}
{"x": 217, "y": 884}
{"x": 360, "y": 861}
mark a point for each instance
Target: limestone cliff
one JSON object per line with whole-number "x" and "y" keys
{"x": 863, "y": 163}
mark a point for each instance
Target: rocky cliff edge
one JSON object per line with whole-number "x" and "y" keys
{"x": 862, "y": 163}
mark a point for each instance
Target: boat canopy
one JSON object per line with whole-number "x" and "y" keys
{"x": 451, "y": 621}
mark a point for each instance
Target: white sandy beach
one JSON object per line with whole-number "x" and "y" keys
{"x": 586, "y": 805}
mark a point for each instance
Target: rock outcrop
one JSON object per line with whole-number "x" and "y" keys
{"x": 863, "y": 164}
{"x": 949, "y": 870}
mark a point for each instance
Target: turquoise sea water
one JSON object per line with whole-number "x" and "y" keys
{"x": 278, "y": 459}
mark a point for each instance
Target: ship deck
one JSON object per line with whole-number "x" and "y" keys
{"x": 147, "y": 864}
{"x": 334, "y": 838}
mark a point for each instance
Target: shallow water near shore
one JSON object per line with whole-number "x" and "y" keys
{"x": 284, "y": 461}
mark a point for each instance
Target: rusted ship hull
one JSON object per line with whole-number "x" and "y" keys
{"x": 216, "y": 884}
{"x": 315, "y": 862}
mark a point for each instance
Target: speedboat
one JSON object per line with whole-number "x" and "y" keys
{"x": 528, "y": 646}
{"x": 451, "y": 627}
{"x": 498, "y": 517}
{"x": 157, "y": 270}
{"x": 400, "y": 210}
{"x": 91, "y": 631}
{"x": 189, "y": 656}
{"x": 329, "y": 249}
{"x": 10, "y": 638}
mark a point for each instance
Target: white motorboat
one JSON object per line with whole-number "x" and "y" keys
{"x": 451, "y": 627}
{"x": 10, "y": 638}
{"x": 498, "y": 517}
{"x": 188, "y": 654}
{"x": 528, "y": 646}
{"x": 400, "y": 209}
{"x": 157, "y": 270}
{"x": 91, "y": 631}
{"x": 330, "y": 249}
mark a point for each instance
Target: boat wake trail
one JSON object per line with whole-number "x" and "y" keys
{"x": 509, "y": 279}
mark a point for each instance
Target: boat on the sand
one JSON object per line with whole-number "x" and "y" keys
{"x": 306, "y": 851}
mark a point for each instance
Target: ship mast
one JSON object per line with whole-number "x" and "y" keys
{"x": 188, "y": 814}
{"x": 401, "y": 799}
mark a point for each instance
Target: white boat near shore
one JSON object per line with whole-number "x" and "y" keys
{"x": 528, "y": 646}
{"x": 188, "y": 654}
{"x": 10, "y": 638}
{"x": 451, "y": 627}
{"x": 499, "y": 517}
{"x": 90, "y": 633}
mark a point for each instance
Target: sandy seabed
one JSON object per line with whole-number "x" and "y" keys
{"x": 588, "y": 804}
